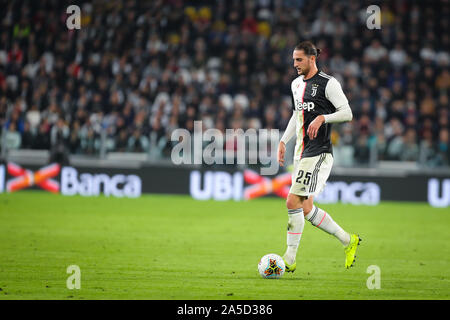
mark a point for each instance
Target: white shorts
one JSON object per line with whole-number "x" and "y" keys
{"x": 311, "y": 174}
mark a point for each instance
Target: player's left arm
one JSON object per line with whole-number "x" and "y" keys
{"x": 334, "y": 93}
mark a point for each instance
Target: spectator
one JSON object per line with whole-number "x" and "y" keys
{"x": 410, "y": 150}
{"x": 394, "y": 135}
{"x": 13, "y": 139}
{"x": 381, "y": 146}
{"x": 443, "y": 148}
{"x": 362, "y": 150}
{"x": 33, "y": 116}
{"x": 122, "y": 141}
{"x": 58, "y": 140}
{"x": 27, "y": 137}
{"x": 397, "y": 56}
{"x": 59, "y": 133}
{"x": 375, "y": 51}
{"x": 89, "y": 142}
{"x": 427, "y": 150}
{"x": 42, "y": 140}
{"x": 74, "y": 142}
{"x": 137, "y": 142}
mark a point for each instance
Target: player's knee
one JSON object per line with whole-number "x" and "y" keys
{"x": 293, "y": 202}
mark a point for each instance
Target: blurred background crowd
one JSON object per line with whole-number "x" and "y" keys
{"x": 137, "y": 70}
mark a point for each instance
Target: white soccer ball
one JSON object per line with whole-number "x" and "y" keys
{"x": 271, "y": 266}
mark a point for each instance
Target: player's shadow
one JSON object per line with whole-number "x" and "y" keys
{"x": 284, "y": 278}
{"x": 294, "y": 279}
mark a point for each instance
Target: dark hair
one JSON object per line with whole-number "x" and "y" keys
{"x": 309, "y": 48}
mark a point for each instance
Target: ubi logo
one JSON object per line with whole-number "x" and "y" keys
{"x": 439, "y": 197}
{"x": 217, "y": 185}
{"x": 308, "y": 106}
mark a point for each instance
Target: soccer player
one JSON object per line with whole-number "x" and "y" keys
{"x": 318, "y": 101}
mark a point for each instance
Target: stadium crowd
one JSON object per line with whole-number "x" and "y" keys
{"x": 137, "y": 70}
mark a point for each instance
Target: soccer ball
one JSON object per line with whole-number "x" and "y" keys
{"x": 271, "y": 266}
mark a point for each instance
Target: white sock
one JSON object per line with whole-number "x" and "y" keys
{"x": 323, "y": 221}
{"x": 296, "y": 223}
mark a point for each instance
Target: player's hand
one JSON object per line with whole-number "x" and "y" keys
{"x": 314, "y": 126}
{"x": 281, "y": 152}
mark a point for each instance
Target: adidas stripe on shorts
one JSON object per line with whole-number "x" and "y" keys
{"x": 311, "y": 174}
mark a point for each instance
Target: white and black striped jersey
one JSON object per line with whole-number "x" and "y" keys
{"x": 319, "y": 95}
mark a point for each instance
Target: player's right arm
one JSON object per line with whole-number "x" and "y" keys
{"x": 334, "y": 93}
{"x": 288, "y": 134}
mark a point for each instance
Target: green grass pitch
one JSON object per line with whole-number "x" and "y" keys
{"x": 173, "y": 247}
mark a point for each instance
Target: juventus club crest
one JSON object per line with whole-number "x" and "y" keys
{"x": 314, "y": 89}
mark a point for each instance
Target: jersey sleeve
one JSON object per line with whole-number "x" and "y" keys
{"x": 290, "y": 129}
{"x": 334, "y": 93}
